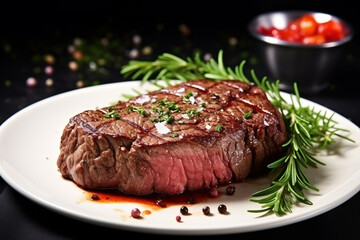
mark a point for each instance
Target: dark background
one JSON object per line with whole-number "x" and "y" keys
{"x": 31, "y": 30}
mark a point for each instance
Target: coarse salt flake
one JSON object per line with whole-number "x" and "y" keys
{"x": 143, "y": 99}
{"x": 184, "y": 115}
{"x": 161, "y": 128}
{"x": 192, "y": 99}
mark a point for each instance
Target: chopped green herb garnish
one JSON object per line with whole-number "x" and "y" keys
{"x": 140, "y": 110}
{"x": 188, "y": 95}
{"x": 162, "y": 116}
{"x": 170, "y": 120}
{"x": 219, "y": 128}
{"x": 180, "y": 122}
{"x": 189, "y": 98}
{"x": 192, "y": 112}
{"x": 247, "y": 115}
{"x": 173, "y": 107}
{"x": 174, "y": 135}
{"x": 112, "y": 113}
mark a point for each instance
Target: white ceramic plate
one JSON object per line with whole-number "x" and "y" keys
{"x": 29, "y": 147}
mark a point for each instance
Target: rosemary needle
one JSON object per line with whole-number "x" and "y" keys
{"x": 308, "y": 130}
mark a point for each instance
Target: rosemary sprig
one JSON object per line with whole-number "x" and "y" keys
{"x": 169, "y": 67}
{"x": 308, "y": 130}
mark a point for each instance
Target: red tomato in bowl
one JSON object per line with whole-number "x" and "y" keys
{"x": 307, "y": 30}
{"x": 332, "y": 30}
{"x": 308, "y": 25}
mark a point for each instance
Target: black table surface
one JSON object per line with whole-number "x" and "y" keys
{"x": 25, "y": 41}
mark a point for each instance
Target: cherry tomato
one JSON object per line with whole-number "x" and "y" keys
{"x": 263, "y": 30}
{"x": 332, "y": 30}
{"x": 290, "y": 35}
{"x": 308, "y": 25}
{"x": 274, "y": 32}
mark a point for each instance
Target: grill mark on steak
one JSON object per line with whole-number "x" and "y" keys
{"x": 129, "y": 153}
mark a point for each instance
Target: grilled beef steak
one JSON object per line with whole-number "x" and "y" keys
{"x": 192, "y": 136}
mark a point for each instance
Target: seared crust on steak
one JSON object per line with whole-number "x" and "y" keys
{"x": 215, "y": 133}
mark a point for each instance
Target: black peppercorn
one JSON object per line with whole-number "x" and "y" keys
{"x": 95, "y": 197}
{"x": 184, "y": 210}
{"x": 230, "y": 190}
{"x": 222, "y": 209}
{"x": 206, "y": 210}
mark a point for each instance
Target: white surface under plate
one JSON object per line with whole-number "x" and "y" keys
{"x": 29, "y": 147}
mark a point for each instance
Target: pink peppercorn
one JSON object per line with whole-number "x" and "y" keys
{"x": 135, "y": 213}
